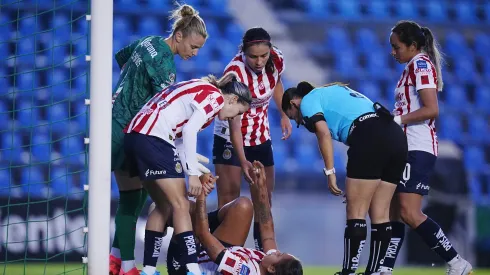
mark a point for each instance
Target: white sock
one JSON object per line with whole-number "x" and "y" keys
{"x": 454, "y": 260}
{"x": 149, "y": 270}
{"x": 116, "y": 252}
{"x": 194, "y": 268}
{"x": 127, "y": 265}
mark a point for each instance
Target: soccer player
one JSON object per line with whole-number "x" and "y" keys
{"x": 147, "y": 67}
{"x": 259, "y": 65}
{"x": 376, "y": 158}
{"x": 416, "y": 108}
{"x": 180, "y": 111}
{"x": 223, "y": 249}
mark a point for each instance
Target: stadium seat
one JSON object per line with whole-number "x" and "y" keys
{"x": 349, "y": 9}
{"x": 25, "y": 55}
{"x": 11, "y": 149}
{"x": 81, "y": 26}
{"x": 474, "y": 159}
{"x": 482, "y": 99}
{"x": 61, "y": 182}
{"x": 56, "y": 55}
{"x": 127, "y": 4}
{"x": 406, "y": 9}
{"x": 372, "y": 90}
{"x": 234, "y": 33}
{"x": 149, "y": 25}
{"x": 159, "y": 5}
{"x": 26, "y": 84}
{"x": 347, "y": 64}
{"x": 378, "y": 9}
{"x": 28, "y": 25}
{"x": 337, "y": 40}
{"x": 478, "y": 128}
{"x": 456, "y": 98}
{"x": 377, "y": 65}
{"x": 62, "y": 27}
{"x": 32, "y": 182}
{"x": 58, "y": 84}
{"x": 41, "y": 148}
{"x": 121, "y": 26}
{"x": 436, "y": 11}
{"x": 226, "y": 51}
{"x": 27, "y": 114}
{"x": 72, "y": 149}
{"x": 316, "y": 8}
{"x": 213, "y": 29}
{"x": 481, "y": 42}
{"x": 217, "y": 5}
{"x": 57, "y": 116}
{"x": 464, "y": 69}
{"x": 5, "y": 29}
{"x": 4, "y": 116}
{"x": 455, "y": 44}
{"x": 366, "y": 40}
{"x": 5, "y": 182}
{"x": 465, "y": 12}
{"x": 450, "y": 127}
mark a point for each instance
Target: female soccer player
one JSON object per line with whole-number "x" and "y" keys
{"x": 376, "y": 158}
{"x": 147, "y": 67}
{"x": 179, "y": 111}
{"x": 259, "y": 65}
{"x": 237, "y": 260}
{"x": 416, "y": 108}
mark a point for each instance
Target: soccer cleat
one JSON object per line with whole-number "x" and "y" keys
{"x": 144, "y": 273}
{"x": 460, "y": 267}
{"x": 133, "y": 271}
{"x": 114, "y": 265}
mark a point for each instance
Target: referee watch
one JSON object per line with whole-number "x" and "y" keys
{"x": 328, "y": 172}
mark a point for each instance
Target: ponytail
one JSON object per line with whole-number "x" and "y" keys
{"x": 432, "y": 49}
{"x": 228, "y": 84}
{"x": 187, "y": 20}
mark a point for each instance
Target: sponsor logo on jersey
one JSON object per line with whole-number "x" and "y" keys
{"x": 423, "y": 71}
{"x": 257, "y": 103}
{"x": 421, "y": 64}
{"x": 146, "y": 111}
{"x": 149, "y": 47}
{"x": 136, "y": 58}
{"x": 244, "y": 270}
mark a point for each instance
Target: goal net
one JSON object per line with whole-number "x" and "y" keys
{"x": 43, "y": 126}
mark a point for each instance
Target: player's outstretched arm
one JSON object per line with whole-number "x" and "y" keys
{"x": 212, "y": 245}
{"x": 262, "y": 207}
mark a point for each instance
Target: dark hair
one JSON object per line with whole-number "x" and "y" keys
{"x": 288, "y": 267}
{"x": 409, "y": 32}
{"x": 302, "y": 89}
{"x": 255, "y": 36}
{"x": 228, "y": 84}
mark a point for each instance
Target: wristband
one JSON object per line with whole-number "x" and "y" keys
{"x": 328, "y": 172}
{"x": 398, "y": 120}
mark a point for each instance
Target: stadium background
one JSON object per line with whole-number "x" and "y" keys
{"x": 44, "y": 81}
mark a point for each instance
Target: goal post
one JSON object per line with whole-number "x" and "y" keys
{"x": 100, "y": 58}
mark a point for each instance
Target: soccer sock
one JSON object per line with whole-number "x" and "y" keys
{"x": 257, "y": 237}
{"x": 435, "y": 238}
{"x": 354, "y": 239}
{"x": 116, "y": 252}
{"x": 126, "y": 222}
{"x": 153, "y": 244}
{"x": 397, "y": 236}
{"x": 127, "y": 265}
{"x": 188, "y": 251}
{"x": 380, "y": 239}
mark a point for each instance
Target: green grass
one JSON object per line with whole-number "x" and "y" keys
{"x": 78, "y": 269}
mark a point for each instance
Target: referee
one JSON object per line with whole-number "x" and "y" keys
{"x": 376, "y": 158}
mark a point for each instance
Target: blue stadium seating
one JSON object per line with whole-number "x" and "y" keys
{"x": 33, "y": 182}
{"x": 406, "y": 9}
{"x": 41, "y": 148}
{"x": 149, "y": 25}
{"x": 436, "y": 10}
{"x": 482, "y": 99}
{"x": 474, "y": 159}
{"x": 5, "y": 182}
{"x": 61, "y": 182}
{"x": 378, "y": 9}
{"x": 11, "y": 148}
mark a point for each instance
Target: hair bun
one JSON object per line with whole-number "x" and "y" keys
{"x": 187, "y": 11}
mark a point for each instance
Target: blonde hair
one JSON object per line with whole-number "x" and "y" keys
{"x": 228, "y": 84}
{"x": 187, "y": 20}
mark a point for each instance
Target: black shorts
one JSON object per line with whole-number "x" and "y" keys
{"x": 377, "y": 150}
{"x": 415, "y": 177}
{"x": 223, "y": 153}
{"x": 151, "y": 158}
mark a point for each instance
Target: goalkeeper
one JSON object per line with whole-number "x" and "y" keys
{"x": 147, "y": 67}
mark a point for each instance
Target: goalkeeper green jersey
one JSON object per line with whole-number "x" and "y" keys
{"x": 147, "y": 67}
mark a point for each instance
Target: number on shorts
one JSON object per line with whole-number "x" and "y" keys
{"x": 406, "y": 172}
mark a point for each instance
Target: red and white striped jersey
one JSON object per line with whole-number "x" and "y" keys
{"x": 167, "y": 113}
{"x": 255, "y": 122}
{"x": 236, "y": 261}
{"x": 419, "y": 74}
